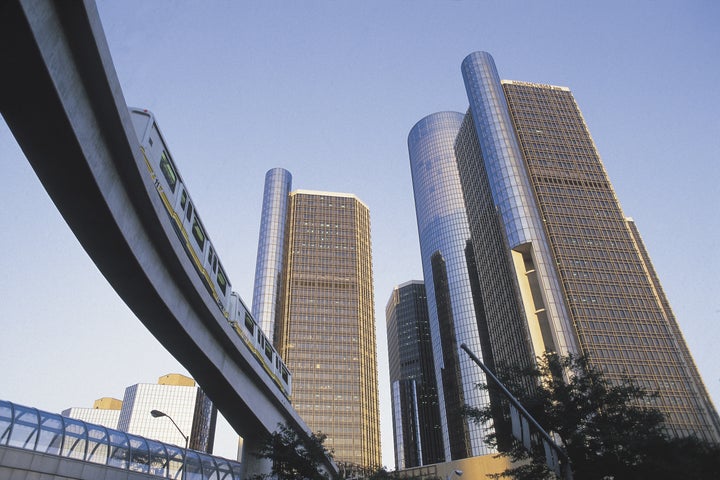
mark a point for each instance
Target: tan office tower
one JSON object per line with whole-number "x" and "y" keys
{"x": 325, "y": 324}
{"x": 581, "y": 273}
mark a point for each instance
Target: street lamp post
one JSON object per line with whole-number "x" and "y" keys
{"x": 157, "y": 414}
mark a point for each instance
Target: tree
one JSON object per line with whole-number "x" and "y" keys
{"x": 292, "y": 456}
{"x": 609, "y": 430}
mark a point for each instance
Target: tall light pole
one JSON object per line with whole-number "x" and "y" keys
{"x": 157, "y": 414}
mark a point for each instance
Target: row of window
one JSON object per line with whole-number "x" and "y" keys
{"x": 196, "y": 229}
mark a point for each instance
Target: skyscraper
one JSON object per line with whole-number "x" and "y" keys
{"x": 454, "y": 306}
{"x": 325, "y": 323}
{"x": 582, "y": 280}
{"x": 175, "y": 395}
{"x": 268, "y": 267}
{"x": 415, "y": 409}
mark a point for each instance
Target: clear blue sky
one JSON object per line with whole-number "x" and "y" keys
{"x": 329, "y": 91}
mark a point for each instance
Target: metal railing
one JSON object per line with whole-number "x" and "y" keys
{"x": 49, "y": 433}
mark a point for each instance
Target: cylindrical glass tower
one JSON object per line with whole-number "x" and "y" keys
{"x": 446, "y": 248}
{"x": 515, "y": 201}
{"x": 269, "y": 263}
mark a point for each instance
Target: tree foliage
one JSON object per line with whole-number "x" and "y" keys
{"x": 609, "y": 430}
{"x": 292, "y": 456}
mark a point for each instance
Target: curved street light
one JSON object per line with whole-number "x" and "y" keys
{"x": 158, "y": 414}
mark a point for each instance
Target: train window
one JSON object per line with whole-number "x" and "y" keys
{"x": 189, "y": 212}
{"x": 285, "y": 374}
{"x": 168, "y": 171}
{"x": 210, "y": 255}
{"x": 222, "y": 281}
{"x": 268, "y": 350}
{"x": 183, "y": 199}
{"x": 198, "y": 233}
{"x": 249, "y": 324}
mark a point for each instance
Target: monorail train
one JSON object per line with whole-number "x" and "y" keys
{"x": 191, "y": 233}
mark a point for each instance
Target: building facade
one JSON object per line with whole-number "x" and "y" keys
{"x": 325, "y": 322}
{"x": 105, "y": 411}
{"x": 175, "y": 395}
{"x": 454, "y": 306}
{"x": 581, "y": 278}
{"x": 415, "y": 410}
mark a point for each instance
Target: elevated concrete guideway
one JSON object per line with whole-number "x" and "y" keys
{"x": 60, "y": 96}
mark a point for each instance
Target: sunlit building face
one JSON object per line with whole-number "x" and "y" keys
{"x": 325, "y": 322}
{"x": 581, "y": 275}
{"x": 525, "y": 249}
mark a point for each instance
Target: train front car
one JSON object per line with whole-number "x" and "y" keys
{"x": 192, "y": 235}
{"x": 179, "y": 205}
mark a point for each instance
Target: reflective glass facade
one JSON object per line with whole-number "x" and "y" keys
{"x": 581, "y": 276}
{"x": 269, "y": 263}
{"x": 507, "y": 345}
{"x": 174, "y": 394}
{"x": 512, "y": 193}
{"x": 326, "y": 329}
{"x": 416, "y": 413}
{"x": 453, "y": 311}
{"x": 191, "y": 409}
{"x": 53, "y": 434}
{"x": 98, "y": 416}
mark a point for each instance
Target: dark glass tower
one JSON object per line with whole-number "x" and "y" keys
{"x": 416, "y": 413}
{"x": 581, "y": 278}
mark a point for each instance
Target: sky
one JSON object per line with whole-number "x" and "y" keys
{"x": 329, "y": 91}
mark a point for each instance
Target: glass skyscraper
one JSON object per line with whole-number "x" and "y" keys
{"x": 582, "y": 280}
{"x": 551, "y": 261}
{"x": 325, "y": 323}
{"x": 269, "y": 263}
{"x": 415, "y": 409}
{"x": 448, "y": 268}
